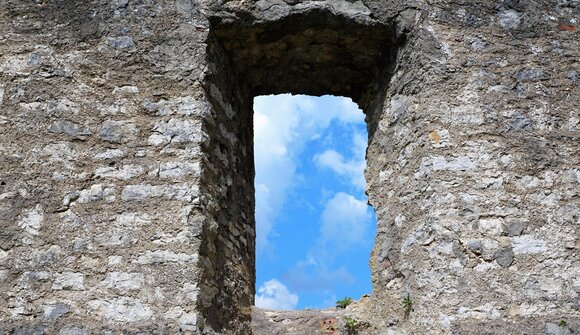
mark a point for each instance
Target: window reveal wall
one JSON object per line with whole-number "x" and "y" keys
{"x": 316, "y": 52}
{"x": 452, "y": 233}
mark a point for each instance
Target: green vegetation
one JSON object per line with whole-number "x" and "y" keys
{"x": 407, "y": 303}
{"x": 350, "y": 323}
{"x": 562, "y": 323}
{"x": 343, "y": 302}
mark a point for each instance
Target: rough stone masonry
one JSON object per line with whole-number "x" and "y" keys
{"x": 126, "y": 162}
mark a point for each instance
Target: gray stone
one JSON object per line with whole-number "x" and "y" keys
{"x": 73, "y": 331}
{"x": 35, "y": 59}
{"x": 164, "y": 256}
{"x": 69, "y": 128}
{"x": 527, "y": 244}
{"x": 176, "y": 131}
{"x": 123, "y": 281}
{"x": 572, "y": 75}
{"x": 510, "y": 19}
{"x": 505, "y": 257}
{"x": 489, "y": 249}
{"x": 69, "y": 281}
{"x": 516, "y": 228}
{"x": 53, "y": 312}
{"x": 556, "y": 329}
{"x": 143, "y": 192}
{"x": 187, "y": 105}
{"x": 532, "y": 74}
{"x": 125, "y": 172}
{"x": 122, "y": 42}
{"x": 491, "y": 226}
{"x": 520, "y": 122}
{"x": 69, "y": 198}
{"x": 37, "y": 276}
{"x": 175, "y": 170}
{"x": 475, "y": 246}
{"x": 89, "y": 29}
{"x": 133, "y": 220}
{"x": 32, "y": 220}
{"x": 113, "y": 239}
{"x": 127, "y": 90}
{"x": 478, "y": 44}
{"x": 79, "y": 246}
{"x": 118, "y": 131}
{"x": 110, "y": 154}
{"x": 299, "y": 322}
{"x": 122, "y": 309}
{"x": 30, "y": 330}
{"x": 462, "y": 163}
{"x": 188, "y": 321}
{"x": 97, "y": 192}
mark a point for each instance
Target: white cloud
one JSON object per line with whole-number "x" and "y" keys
{"x": 275, "y": 295}
{"x": 282, "y": 126}
{"x": 352, "y": 169}
{"x": 264, "y": 215}
{"x": 345, "y": 222}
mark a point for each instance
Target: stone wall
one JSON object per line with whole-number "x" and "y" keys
{"x": 473, "y": 171}
{"x": 101, "y": 166}
{"x": 126, "y": 163}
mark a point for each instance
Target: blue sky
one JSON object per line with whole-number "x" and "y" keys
{"x": 314, "y": 228}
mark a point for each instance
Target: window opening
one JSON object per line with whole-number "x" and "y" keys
{"x": 314, "y": 229}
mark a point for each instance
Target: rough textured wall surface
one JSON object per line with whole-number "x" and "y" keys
{"x": 126, "y": 164}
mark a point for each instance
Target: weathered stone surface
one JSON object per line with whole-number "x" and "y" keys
{"x": 505, "y": 257}
{"x": 163, "y": 256}
{"x": 53, "y": 312}
{"x": 144, "y": 192}
{"x": 73, "y": 331}
{"x": 97, "y": 192}
{"x": 118, "y": 131}
{"x": 298, "y": 322}
{"x": 123, "y": 281}
{"x": 122, "y": 42}
{"x": 122, "y": 309}
{"x": 69, "y": 128}
{"x": 69, "y": 281}
{"x": 175, "y": 131}
{"x": 126, "y": 160}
